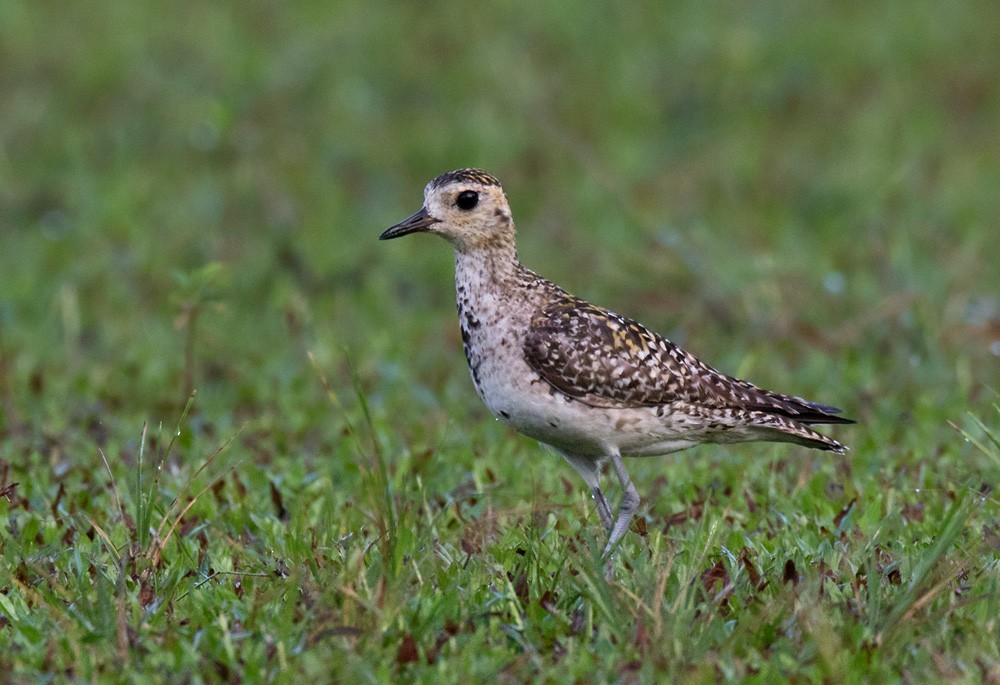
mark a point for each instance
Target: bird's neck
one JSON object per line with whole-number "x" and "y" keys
{"x": 492, "y": 269}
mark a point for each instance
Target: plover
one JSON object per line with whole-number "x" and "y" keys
{"x": 594, "y": 385}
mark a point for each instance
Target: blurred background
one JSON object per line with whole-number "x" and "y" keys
{"x": 191, "y": 195}
{"x": 804, "y": 194}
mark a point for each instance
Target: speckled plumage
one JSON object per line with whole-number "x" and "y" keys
{"x": 592, "y": 384}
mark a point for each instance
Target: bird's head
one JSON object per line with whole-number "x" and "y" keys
{"x": 467, "y": 207}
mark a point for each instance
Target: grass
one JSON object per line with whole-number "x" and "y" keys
{"x": 237, "y": 438}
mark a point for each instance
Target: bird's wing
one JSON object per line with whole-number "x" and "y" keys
{"x": 606, "y": 360}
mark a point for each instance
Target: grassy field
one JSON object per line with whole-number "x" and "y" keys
{"x": 238, "y": 441}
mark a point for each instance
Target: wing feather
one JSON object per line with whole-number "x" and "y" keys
{"x": 606, "y": 360}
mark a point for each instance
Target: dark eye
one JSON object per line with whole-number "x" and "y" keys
{"x": 467, "y": 199}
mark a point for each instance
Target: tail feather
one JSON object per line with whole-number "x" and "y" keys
{"x": 806, "y": 412}
{"x": 796, "y": 408}
{"x": 781, "y": 428}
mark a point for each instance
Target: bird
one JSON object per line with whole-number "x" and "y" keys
{"x": 594, "y": 385}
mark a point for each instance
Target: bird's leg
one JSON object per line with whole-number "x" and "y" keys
{"x": 603, "y": 510}
{"x": 630, "y": 502}
{"x": 590, "y": 470}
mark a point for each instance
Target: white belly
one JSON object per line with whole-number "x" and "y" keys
{"x": 517, "y": 396}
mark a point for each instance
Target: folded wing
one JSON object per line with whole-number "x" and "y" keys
{"x": 606, "y": 360}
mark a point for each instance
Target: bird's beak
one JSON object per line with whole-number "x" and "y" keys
{"x": 421, "y": 221}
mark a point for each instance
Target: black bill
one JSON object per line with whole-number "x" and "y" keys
{"x": 421, "y": 221}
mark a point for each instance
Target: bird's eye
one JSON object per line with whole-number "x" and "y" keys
{"x": 467, "y": 199}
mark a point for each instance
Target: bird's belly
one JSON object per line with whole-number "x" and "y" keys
{"x": 517, "y": 396}
{"x": 521, "y": 399}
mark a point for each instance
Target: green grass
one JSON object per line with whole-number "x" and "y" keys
{"x": 237, "y": 437}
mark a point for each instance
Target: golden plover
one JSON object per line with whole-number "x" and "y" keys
{"x": 592, "y": 384}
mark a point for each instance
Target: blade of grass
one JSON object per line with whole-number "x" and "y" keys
{"x": 139, "y": 501}
{"x": 951, "y": 527}
{"x": 387, "y": 509}
{"x": 163, "y": 543}
{"x": 991, "y": 452}
{"x": 156, "y": 548}
{"x": 144, "y": 503}
{"x": 104, "y": 536}
{"x": 382, "y": 511}
{"x": 114, "y": 485}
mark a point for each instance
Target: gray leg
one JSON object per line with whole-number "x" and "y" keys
{"x": 590, "y": 470}
{"x": 630, "y": 502}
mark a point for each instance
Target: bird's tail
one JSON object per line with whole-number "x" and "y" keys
{"x": 783, "y": 429}
{"x": 749, "y": 396}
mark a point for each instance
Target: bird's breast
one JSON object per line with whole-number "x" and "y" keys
{"x": 492, "y": 343}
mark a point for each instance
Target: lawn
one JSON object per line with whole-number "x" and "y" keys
{"x": 238, "y": 441}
